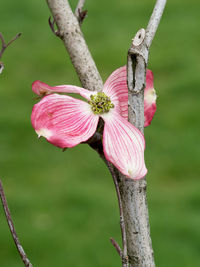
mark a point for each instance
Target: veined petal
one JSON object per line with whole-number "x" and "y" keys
{"x": 149, "y": 99}
{"x": 124, "y": 145}
{"x": 63, "y": 120}
{"x": 41, "y": 89}
{"x": 116, "y": 88}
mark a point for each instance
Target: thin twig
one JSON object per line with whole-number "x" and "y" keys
{"x": 117, "y": 247}
{"x": 79, "y": 7}
{"x": 81, "y": 16}
{"x": 79, "y": 12}
{"x": 20, "y": 249}
{"x": 133, "y": 193}
{"x": 52, "y": 27}
{"x": 154, "y": 21}
{"x": 4, "y": 45}
{"x": 124, "y": 255}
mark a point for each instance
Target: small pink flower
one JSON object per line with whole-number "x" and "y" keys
{"x": 66, "y": 121}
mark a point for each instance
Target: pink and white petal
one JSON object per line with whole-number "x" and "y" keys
{"x": 149, "y": 99}
{"x": 41, "y": 89}
{"x": 124, "y": 146}
{"x": 63, "y": 120}
{"x": 116, "y": 88}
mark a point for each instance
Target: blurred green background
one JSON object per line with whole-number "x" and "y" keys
{"x": 64, "y": 204}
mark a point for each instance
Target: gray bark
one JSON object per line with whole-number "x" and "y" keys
{"x": 133, "y": 193}
{"x": 70, "y": 32}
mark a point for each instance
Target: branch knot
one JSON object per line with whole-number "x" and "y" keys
{"x": 139, "y": 38}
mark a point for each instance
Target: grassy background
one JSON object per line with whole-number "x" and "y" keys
{"x": 63, "y": 204}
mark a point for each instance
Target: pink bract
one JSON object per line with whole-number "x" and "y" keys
{"x": 149, "y": 99}
{"x": 66, "y": 121}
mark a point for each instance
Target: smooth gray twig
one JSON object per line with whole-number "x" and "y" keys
{"x": 133, "y": 195}
{"x": 134, "y": 192}
{"x": 123, "y": 254}
{"x": 20, "y": 249}
{"x": 3, "y": 43}
{"x": 154, "y": 21}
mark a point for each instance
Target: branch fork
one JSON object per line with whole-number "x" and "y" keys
{"x": 137, "y": 248}
{"x": 52, "y": 27}
{"x": 5, "y": 45}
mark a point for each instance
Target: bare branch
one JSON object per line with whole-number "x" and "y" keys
{"x": 123, "y": 255}
{"x": 79, "y": 12}
{"x": 20, "y": 249}
{"x": 4, "y": 45}
{"x": 133, "y": 193}
{"x": 117, "y": 247}
{"x": 154, "y": 21}
{"x": 52, "y": 27}
{"x": 70, "y": 33}
{"x": 79, "y": 7}
{"x": 82, "y": 15}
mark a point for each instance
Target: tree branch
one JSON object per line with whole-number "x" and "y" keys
{"x": 4, "y": 45}
{"x": 133, "y": 193}
{"x": 52, "y": 27}
{"x": 79, "y": 12}
{"x": 79, "y": 7}
{"x": 123, "y": 254}
{"x": 116, "y": 246}
{"x": 154, "y": 21}
{"x": 70, "y": 33}
{"x": 20, "y": 249}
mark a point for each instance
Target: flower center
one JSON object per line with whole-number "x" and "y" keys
{"x": 100, "y": 103}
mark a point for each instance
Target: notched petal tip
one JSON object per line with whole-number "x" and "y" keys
{"x": 40, "y": 88}
{"x": 44, "y": 132}
{"x": 135, "y": 176}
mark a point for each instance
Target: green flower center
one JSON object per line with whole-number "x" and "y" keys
{"x": 100, "y": 103}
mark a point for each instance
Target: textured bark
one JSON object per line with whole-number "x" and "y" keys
{"x": 70, "y": 33}
{"x": 133, "y": 193}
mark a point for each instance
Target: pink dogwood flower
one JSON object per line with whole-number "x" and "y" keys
{"x": 66, "y": 121}
{"x": 149, "y": 99}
